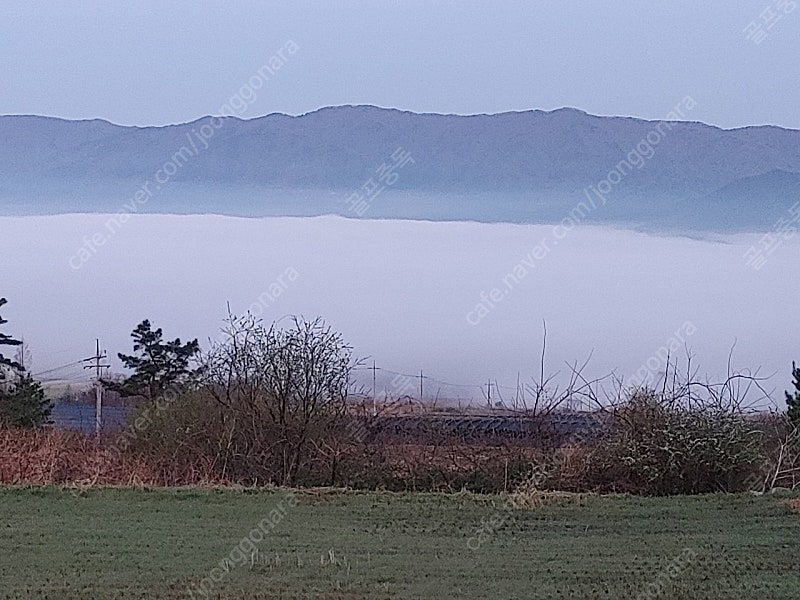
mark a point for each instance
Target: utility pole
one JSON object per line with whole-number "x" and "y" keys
{"x": 420, "y": 385}
{"x": 374, "y": 390}
{"x": 98, "y": 387}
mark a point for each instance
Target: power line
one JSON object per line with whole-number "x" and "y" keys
{"x": 466, "y": 385}
{"x": 59, "y": 368}
{"x": 484, "y": 389}
{"x": 416, "y": 376}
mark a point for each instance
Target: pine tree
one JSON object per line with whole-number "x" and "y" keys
{"x": 22, "y": 399}
{"x": 793, "y": 400}
{"x": 25, "y": 404}
{"x": 7, "y": 340}
{"x": 157, "y": 365}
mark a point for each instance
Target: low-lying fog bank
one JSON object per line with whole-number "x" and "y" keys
{"x": 463, "y": 302}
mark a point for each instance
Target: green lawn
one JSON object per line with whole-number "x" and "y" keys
{"x": 161, "y": 544}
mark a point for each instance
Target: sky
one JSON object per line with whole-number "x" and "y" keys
{"x": 156, "y": 63}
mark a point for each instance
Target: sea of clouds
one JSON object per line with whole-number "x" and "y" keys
{"x": 463, "y": 302}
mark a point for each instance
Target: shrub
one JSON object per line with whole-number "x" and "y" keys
{"x": 284, "y": 392}
{"x": 658, "y": 445}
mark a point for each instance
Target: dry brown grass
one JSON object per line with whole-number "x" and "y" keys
{"x": 54, "y": 457}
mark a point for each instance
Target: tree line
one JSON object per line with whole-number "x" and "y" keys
{"x": 271, "y": 404}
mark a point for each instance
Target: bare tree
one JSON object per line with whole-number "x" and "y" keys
{"x": 285, "y": 389}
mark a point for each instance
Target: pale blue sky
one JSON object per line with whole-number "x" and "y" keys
{"x": 153, "y": 63}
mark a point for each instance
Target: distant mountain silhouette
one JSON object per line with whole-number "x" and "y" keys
{"x": 518, "y": 166}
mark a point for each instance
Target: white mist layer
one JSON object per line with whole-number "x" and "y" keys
{"x": 407, "y": 293}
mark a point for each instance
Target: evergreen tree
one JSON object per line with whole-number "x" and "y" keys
{"x": 7, "y": 340}
{"x": 157, "y": 365}
{"x": 793, "y": 400}
{"x": 22, "y": 400}
{"x": 24, "y": 405}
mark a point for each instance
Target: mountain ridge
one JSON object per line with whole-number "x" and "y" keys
{"x": 397, "y": 110}
{"x": 543, "y": 159}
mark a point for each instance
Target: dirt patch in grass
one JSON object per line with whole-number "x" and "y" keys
{"x": 793, "y": 503}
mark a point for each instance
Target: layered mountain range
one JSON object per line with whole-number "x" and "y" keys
{"x": 532, "y": 166}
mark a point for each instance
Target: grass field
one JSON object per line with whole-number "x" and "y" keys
{"x": 181, "y": 544}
